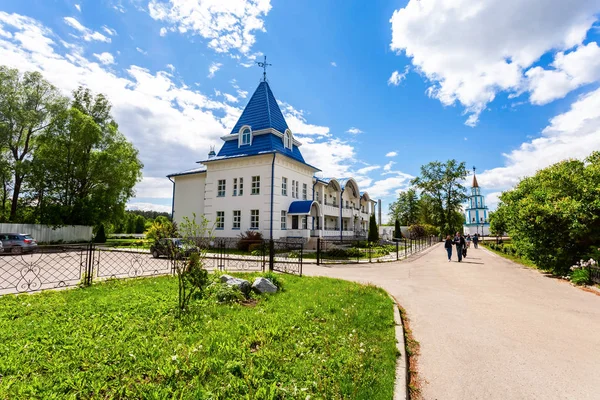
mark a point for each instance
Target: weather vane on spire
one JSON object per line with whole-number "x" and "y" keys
{"x": 264, "y": 66}
{"x": 473, "y": 170}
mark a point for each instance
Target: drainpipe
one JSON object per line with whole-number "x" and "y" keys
{"x": 272, "y": 195}
{"x": 172, "y": 200}
{"x": 341, "y": 221}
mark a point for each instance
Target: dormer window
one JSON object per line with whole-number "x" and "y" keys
{"x": 288, "y": 139}
{"x": 245, "y": 136}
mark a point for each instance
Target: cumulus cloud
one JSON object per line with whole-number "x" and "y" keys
{"x": 333, "y": 156}
{"x": 333, "y": 64}
{"x": 230, "y": 98}
{"x": 163, "y": 31}
{"x": 391, "y": 154}
{"x": 87, "y": 34}
{"x": 574, "y": 133}
{"x": 138, "y": 206}
{"x": 470, "y": 50}
{"x": 388, "y": 167}
{"x": 354, "y": 131}
{"x": 297, "y": 121}
{"x": 214, "y": 67}
{"x": 105, "y": 58}
{"x": 227, "y": 25}
{"x": 398, "y": 77}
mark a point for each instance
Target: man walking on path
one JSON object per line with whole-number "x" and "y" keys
{"x": 475, "y": 240}
{"x": 460, "y": 243}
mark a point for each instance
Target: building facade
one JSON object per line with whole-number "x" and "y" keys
{"x": 260, "y": 181}
{"x": 476, "y": 213}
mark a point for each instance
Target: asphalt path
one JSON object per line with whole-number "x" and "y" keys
{"x": 490, "y": 328}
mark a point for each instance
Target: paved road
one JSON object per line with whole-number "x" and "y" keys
{"x": 491, "y": 329}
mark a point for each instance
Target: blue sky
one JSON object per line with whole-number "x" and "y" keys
{"x": 507, "y": 85}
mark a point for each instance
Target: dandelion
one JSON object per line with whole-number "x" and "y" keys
{"x": 362, "y": 350}
{"x": 174, "y": 357}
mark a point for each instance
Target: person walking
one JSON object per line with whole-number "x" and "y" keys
{"x": 460, "y": 243}
{"x": 468, "y": 244}
{"x": 448, "y": 247}
{"x": 475, "y": 240}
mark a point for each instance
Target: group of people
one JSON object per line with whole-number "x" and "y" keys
{"x": 462, "y": 243}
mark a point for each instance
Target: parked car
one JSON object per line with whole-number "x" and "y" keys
{"x": 17, "y": 243}
{"x": 171, "y": 246}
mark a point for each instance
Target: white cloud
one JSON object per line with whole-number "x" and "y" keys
{"x": 171, "y": 67}
{"x": 398, "y": 77}
{"x": 163, "y": 31}
{"x": 298, "y": 124}
{"x": 87, "y": 34}
{"x": 230, "y": 98}
{"x": 105, "y": 58}
{"x": 148, "y": 207}
{"x": 214, "y": 67}
{"x": 492, "y": 200}
{"x": 142, "y": 51}
{"x": 109, "y": 31}
{"x": 227, "y": 25}
{"x": 389, "y": 186}
{"x": 333, "y": 156}
{"x": 388, "y": 167}
{"x": 470, "y": 50}
{"x": 242, "y": 94}
{"x": 333, "y": 64}
{"x": 172, "y": 125}
{"x": 391, "y": 154}
{"x": 570, "y": 71}
{"x": 354, "y": 131}
{"x": 78, "y": 7}
{"x": 366, "y": 170}
{"x": 573, "y": 134}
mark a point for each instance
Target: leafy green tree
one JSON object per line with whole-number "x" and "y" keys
{"x": 397, "y": 230}
{"x": 405, "y": 208}
{"x": 373, "y": 229}
{"x": 100, "y": 235}
{"x": 427, "y": 211}
{"x": 140, "y": 224}
{"x": 28, "y": 105}
{"x": 553, "y": 217}
{"x": 442, "y": 182}
{"x": 498, "y": 225}
{"x": 162, "y": 228}
{"x": 89, "y": 167}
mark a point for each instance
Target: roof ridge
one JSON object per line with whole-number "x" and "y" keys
{"x": 267, "y": 88}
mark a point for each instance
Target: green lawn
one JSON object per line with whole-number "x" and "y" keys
{"x": 323, "y": 338}
{"x": 513, "y": 257}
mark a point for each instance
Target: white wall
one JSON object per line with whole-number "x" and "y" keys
{"x": 189, "y": 196}
{"x": 43, "y": 233}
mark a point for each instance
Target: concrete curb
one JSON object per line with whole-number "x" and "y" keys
{"x": 401, "y": 383}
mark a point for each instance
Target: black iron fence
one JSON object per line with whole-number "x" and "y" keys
{"x": 330, "y": 251}
{"x": 595, "y": 273}
{"x": 61, "y": 266}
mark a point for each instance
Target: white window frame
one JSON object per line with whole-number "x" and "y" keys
{"x": 220, "y": 222}
{"x": 237, "y": 220}
{"x": 297, "y": 189}
{"x": 255, "y": 185}
{"x": 221, "y": 191}
{"x": 284, "y": 186}
{"x": 304, "y": 222}
{"x": 283, "y": 220}
{"x": 235, "y": 184}
{"x": 293, "y": 189}
{"x": 288, "y": 139}
{"x": 245, "y": 129}
{"x": 241, "y": 191}
{"x": 254, "y": 220}
{"x": 304, "y": 191}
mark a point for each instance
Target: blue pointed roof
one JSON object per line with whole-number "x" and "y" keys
{"x": 262, "y": 111}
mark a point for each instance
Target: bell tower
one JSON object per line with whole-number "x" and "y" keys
{"x": 476, "y": 212}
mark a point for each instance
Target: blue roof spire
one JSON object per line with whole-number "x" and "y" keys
{"x": 262, "y": 111}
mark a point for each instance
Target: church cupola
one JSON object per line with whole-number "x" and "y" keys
{"x": 476, "y": 213}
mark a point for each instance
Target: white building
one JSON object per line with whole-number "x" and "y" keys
{"x": 260, "y": 181}
{"x": 476, "y": 213}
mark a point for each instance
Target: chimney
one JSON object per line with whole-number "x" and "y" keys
{"x": 212, "y": 153}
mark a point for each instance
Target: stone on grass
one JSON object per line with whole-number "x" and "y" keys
{"x": 241, "y": 284}
{"x": 263, "y": 285}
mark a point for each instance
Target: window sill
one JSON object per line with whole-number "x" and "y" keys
{"x": 235, "y": 229}
{"x": 219, "y": 229}
{"x": 220, "y": 195}
{"x": 253, "y": 229}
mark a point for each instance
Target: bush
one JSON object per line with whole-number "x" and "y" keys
{"x": 353, "y": 252}
{"x": 100, "y": 235}
{"x": 340, "y": 253}
{"x": 580, "y": 276}
{"x": 275, "y": 280}
{"x": 249, "y": 238}
{"x": 256, "y": 247}
{"x": 225, "y": 294}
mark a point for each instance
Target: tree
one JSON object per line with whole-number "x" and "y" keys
{"x": 87, "y": 169}
{"x": 100, "y": 235}
{"x": 442, "y": 182}
{"x": 373, "y": 229}
{"x": 161, "y": 228}
{"x": 140, "y": 224}
{"x": 553, "y": 217}
{"x": 397, "y": 230}
{"x": 28, "y": 105}
{"x": 498, "y": 224}
{"x": 406, "y": 208}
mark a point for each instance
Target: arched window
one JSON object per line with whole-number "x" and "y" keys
{"x": 288, "y": 139}
{"x": 245, "y": 136}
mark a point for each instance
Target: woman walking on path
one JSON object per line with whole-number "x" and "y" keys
{"x": 448, "y": 247}
{"x": 460, "y": 243}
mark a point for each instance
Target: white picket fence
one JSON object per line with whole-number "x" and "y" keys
{"x": 46, "y": 234}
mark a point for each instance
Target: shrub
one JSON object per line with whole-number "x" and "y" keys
{"x": 353, "y": 252}
{"x": 580, "y": 276}
{"x": 249, "y": 238}
{"x": 225, "y": 294}
{"x": 275, "y": 280}
{"x": 100, "y": 235}
{"x": 255, "y": 247}
{"x": 335, "y": 252}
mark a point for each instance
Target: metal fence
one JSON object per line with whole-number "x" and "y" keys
{"x": 595, "y": 274}
{"x": 355, "y": 251}
{"x": 48, "y": 234}
{"x": 61, "y": 266}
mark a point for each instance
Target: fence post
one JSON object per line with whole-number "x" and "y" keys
{"x": 271, "y": 254}
{"x": 301, "y": 253}
{"x": 90, "y": 265}
{"x": 405, "y": 248}
{"x": 397, "y": 257}
{"x": 318, "y": 251}
{"x": 370, "y": 249}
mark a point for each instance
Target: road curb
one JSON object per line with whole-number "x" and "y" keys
{"x": 401, "y": 382}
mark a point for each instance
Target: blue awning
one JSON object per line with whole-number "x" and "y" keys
{"x": 300, "y": 207}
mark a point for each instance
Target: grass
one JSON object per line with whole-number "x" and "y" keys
{"x": 320, "y": 338}
{"x": 512, "y": 257}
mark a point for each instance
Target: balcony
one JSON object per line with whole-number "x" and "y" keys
{"x": 331, "y": 210}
